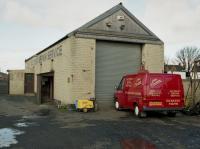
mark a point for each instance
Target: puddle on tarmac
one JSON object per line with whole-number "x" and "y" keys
{"x": 8, "y": 136}
{"x": 137, "y": 144}
{"x": 21, "y": 124}
{"x": 34, "y": 116}
{"x": 25, "y": 124}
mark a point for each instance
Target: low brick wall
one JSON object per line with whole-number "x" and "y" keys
{"x": 187, "y": 89}
{"x": 16, "y": 82}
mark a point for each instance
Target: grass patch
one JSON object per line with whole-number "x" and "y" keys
{"x": 63, "y": 108}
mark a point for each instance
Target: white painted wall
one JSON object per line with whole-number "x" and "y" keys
{"x": 183, "y": 74}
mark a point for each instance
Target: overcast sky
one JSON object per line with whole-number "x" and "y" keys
{"x": 28, "y": 26}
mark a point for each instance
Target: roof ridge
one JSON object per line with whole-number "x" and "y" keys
{"x": 102, "y": 16}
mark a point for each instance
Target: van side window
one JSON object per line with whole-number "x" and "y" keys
{"x": 121, "y": 84}
{"x": 129, "y": 82}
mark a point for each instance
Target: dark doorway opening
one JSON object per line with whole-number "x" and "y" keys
{"x": 4, "y": 87}
{"x": 46, "y": 87}
{"x": 29, "y": 83}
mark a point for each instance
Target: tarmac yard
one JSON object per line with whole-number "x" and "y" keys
{"x": 25, "y": 125}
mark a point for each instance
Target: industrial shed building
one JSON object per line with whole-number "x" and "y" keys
{"x": 90, "y": 61}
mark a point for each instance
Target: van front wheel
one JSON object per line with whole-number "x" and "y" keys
{"x": 117, "y": 105}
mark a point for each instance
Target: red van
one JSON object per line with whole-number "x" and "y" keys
{"x": 146, "y": 91}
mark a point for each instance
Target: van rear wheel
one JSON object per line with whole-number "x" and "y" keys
{"x": 138, "y": 113}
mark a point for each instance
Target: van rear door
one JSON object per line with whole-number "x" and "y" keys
{"x": 165, "y": 90}
{"x": 173, "y": 91}
{"x": 155, "y": 91}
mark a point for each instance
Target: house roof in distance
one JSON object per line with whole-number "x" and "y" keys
{"x": 178, "y": 68}
{"x": 3, "y": 74}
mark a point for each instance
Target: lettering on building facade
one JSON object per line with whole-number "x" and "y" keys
{"x": 49, "y": 55}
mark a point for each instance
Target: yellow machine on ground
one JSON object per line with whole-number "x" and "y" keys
{"x": 86, "y": 105}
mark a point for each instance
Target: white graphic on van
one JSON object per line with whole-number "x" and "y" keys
{"x": 155, "y": 82}
{"x": 138, "y": 82}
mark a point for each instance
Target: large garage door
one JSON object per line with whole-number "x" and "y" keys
{"x": 113, "y": 60}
